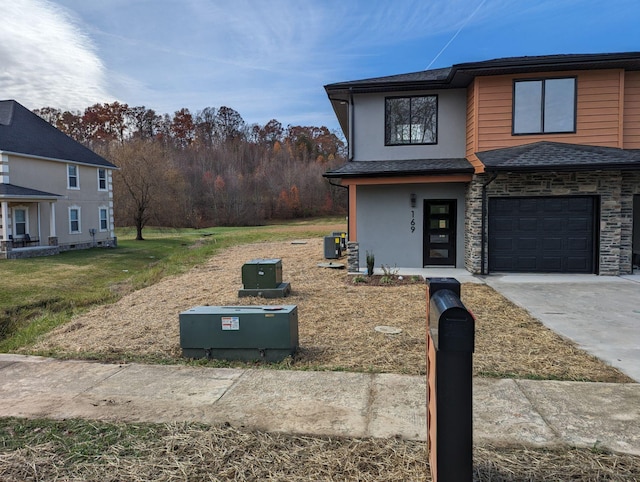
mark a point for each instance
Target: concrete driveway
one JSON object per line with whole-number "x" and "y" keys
{"x": 601, "y": 314}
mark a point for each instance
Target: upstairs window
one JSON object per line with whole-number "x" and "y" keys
{"x": 102, "y": 179}
{"x": 72, "y": 177}
{"x": 411, "y": 120}
{"x": 545, "y": 106}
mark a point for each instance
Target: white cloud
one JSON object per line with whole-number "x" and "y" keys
{"x": 46, "y": 59}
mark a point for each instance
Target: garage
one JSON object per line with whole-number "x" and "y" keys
{"x": 542, "y": 234}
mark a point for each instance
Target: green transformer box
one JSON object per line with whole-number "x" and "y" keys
{"x": 262, "y": 273}
{"x": 245, "y": 333}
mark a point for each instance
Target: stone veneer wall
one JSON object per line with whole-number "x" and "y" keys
{"x": 615, "y": 190}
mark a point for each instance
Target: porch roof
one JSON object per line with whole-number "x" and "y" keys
{"x": 11, "y": 191}
{"x": 558, "y": 156}
{"x": 415, "y": 167}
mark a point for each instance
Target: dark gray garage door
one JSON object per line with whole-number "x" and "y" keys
{"x": 542, "y": 234}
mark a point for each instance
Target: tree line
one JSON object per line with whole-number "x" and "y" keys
{"x": 207, "y": 168}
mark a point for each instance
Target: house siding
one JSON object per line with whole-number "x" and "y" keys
{"x": 369, "y": 128}
{"x": 599, "y": 106}
{"x": 51, "y": 176}
{"x": 614, "y": 191}
{"x": 632, "y": 110}
{"x": 384, "y": 216}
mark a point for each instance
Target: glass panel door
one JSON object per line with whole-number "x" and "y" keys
{"x": 440, "y": 232}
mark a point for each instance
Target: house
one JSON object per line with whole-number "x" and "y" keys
{"x": 525, "y": 164}
{"x": 55, "y": 194}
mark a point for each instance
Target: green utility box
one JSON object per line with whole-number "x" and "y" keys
{"x": 262, "y": 273}
{"x": 263, "y": 277}
{"x": 245, "y": 333}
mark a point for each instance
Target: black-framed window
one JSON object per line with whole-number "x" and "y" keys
{"x": 544, "y": 106}
{"x": 411, "y": 120}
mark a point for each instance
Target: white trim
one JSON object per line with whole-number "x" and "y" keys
{"x": 100, "y": 209}
{"x": 79, "y": 220}
{"x": 55, "y": 159}
{"x": 106, "y": 179}
{"x": 77, "y": 176}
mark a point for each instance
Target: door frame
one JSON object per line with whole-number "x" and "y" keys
{"x": 451, "y": 230}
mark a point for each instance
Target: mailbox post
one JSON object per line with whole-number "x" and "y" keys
{"x": 450, "y": 345}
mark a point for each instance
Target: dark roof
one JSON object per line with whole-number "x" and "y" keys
{"x": 23, "y": 132}
{"x": 461, "y": 75}
{"x": 416, "y": 167}
{"x": 11, "y": 190}
{"x": 556, "y": 156}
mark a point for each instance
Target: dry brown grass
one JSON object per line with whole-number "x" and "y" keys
{"x": 73, "y": 451}
{"x": 337, "y": 318}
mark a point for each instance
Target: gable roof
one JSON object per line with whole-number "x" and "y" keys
{"x": 415, "y": 167}
{"x": 558, "y": 156}
{"x": 23, "y": 132}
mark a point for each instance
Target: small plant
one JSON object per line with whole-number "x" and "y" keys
{"x": 388, "y": 271}
{"x": 371, "y": 261}
{"x": 359, "y": 279}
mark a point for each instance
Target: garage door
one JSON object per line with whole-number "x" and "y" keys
{"x": 542, "y": 234}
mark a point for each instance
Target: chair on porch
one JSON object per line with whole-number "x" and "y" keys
{"x": 28, "y": 240}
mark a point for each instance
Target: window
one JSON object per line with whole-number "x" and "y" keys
{"x": 411, "y": 120}
{"x": 102, "y": 179}
{"x": 74, "y": 220}
{"x": 104, "y": 219}
{"x": 544, "y": 106}
{"x": 72, "y": 177}
{"x": 20, "y": 222}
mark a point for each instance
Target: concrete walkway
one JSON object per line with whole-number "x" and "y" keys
{"x": 520, "y": 412}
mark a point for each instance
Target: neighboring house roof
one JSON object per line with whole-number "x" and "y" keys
{"x": 556, "y": 156}
{"x": 23, "y": 132}
{"x": 416, "y": 167}
{"x": 13, "y": 191}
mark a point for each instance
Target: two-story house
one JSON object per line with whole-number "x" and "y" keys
{"x": 527, "y": 164}
{"x": 55, "y": 194}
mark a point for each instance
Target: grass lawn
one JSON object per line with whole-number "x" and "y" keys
{"x": 39, "y": 294}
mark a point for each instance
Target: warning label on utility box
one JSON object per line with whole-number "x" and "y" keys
{"x": 230, "y": 323}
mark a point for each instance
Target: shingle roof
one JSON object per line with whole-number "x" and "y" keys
{"x": 556, "y": 156}
{"x": 11, "y": 190}
{"x": 23, "y": 132}
{"x": 401, "y": 168}
{"x": 461, "y": 75}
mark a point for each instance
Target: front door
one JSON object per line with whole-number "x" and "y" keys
{"x": 439, "y": 232}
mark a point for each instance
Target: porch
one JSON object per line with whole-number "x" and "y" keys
{"x": 28, "y": 252}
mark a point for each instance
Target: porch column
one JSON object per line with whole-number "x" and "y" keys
{"x": 39, "y": 230}
{"x": 52, "y": 220}
{"x": 4, "y": 209}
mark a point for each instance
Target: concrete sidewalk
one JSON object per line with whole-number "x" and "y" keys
{"x": 512, "y": 412}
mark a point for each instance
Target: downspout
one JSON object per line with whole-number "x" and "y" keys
{"x": 483, "y": 235}
{"x": 352, "y": 131}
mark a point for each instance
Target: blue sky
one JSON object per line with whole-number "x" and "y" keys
{"x": 271, "y": 58}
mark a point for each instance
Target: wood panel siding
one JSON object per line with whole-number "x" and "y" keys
{"x": 631, "y": 116}
{"x": 599, "y": 111}
{"x": 472, "y": 136}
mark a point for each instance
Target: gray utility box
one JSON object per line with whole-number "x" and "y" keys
{"x": 246, "y": 333}
{"x": 332, "y": 247}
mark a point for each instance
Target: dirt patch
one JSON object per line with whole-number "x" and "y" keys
{"x": 337, "y": 320}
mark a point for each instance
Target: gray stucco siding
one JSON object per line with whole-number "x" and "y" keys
{"x": 383, "y": 222}
{"x": 369, "y": 128}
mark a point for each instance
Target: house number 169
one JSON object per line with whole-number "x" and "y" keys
{"x": 413, "y": 221}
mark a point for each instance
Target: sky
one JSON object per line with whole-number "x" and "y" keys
{"x": 270, "y": 59}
